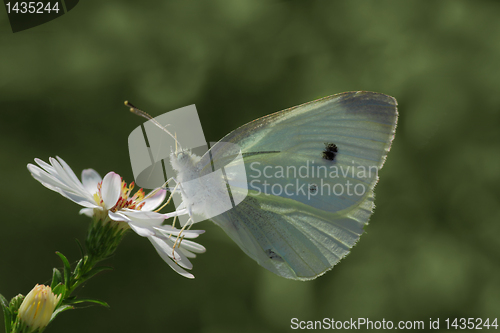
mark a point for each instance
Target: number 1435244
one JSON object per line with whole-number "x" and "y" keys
{"x": 471, "y": 323}
{"x": 32, "y": 7}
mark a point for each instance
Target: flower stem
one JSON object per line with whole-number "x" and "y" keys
{"x": 103, "y": 238}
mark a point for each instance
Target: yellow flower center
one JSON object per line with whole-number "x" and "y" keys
{"x": 125, "y": 201}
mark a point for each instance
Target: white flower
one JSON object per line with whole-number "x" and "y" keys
{"x": 163, "y": 240}
{"x": 37, "y": 307}
{"x": 111, "y": 197}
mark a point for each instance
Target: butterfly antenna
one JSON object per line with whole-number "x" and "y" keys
{"x": 175, "y": 143}
{"x": 143, "y": 114}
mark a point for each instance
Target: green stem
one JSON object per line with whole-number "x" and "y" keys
{"x": 102, "y": 240}
{"x": 80, "y": 273}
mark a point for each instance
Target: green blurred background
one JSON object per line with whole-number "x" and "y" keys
{"x": 432, "y": 247}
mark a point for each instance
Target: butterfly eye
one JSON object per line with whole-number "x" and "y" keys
{"x": 182, "y": 156}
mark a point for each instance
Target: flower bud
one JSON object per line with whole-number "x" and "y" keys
{"x": 37, "y": 307}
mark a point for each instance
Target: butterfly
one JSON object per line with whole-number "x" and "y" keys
{"x": 306, "y": 189}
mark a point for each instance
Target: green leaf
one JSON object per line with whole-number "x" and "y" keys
{"x": 60, "y": 289}
{"x": 86, "y": 300}
{"x": 56, "y": 278}
{"x": 96, "y": 270}
{"x": 80, "y": 247}
{"x": 59, "y": 310}
{"x": 7, "y": 315}
{"x": 15, "y": 303}
{"x": 3, "y": 302}
{"x": 76, "y": 272}
{"x": 67, "y": 268}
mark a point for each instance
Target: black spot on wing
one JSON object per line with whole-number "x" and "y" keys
{"x": 330, "y": 151}
{"x": 313, "y": 188}
{"x": 273, "y": 255}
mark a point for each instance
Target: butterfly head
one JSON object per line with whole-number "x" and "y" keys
{"x": 183, "y": 160}
{"x": 182, "y": 156}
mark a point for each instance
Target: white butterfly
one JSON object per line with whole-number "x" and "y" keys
{"x": 308, "y": 197}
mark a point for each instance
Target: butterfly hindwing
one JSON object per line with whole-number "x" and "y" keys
{"x": 292, "y": 239}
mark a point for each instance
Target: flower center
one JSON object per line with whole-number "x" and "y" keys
{"x": 125, "y": 201}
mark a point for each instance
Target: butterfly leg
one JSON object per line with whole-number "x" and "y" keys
{"x": 187, "y": 225}
{"x": 171, "y": 193}
{"x": 180, "y": 208}
{"x": 163, "y": 187}
{"x": 180, "y": 237}
{"x": 189, "y": 222}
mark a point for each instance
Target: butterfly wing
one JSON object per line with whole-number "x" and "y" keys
{"x": 303, "y": 232}
{"x": 292, "y": 239}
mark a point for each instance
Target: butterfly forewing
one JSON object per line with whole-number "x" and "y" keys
{"x": 310, "y": 174}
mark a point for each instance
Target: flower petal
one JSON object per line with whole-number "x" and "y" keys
{"x": 87, "y": 211}
{"x": 52, "y": 183}
{"x": 192, "y": 246}
{"x": 77, "y": 199}
{"x": 111, "y": 188}
{"x": 146, "y": 223}
{"x": 166, "y": 246}
{"x": 142, "y": 231}
{"x": 90, "y": 179}
{"x": 118, "y": 217}
{"x": 142, "y": 215}
{"x": 68, "y": 179}
{"x": 47, "y": 167}
{"x": 155, "y": 200}
{"x": 156, "y": 241}
{"x": 70, "y": 172}
{"x": 175, "y": 213}
{"x": 50, "y": 179}
{"x": 184, "y": 262}
{"x": 143, "y": 227}
{"x": 58, "y": 176}
{"x": 168, "y": 230}
{"x": 187, "y": 253}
